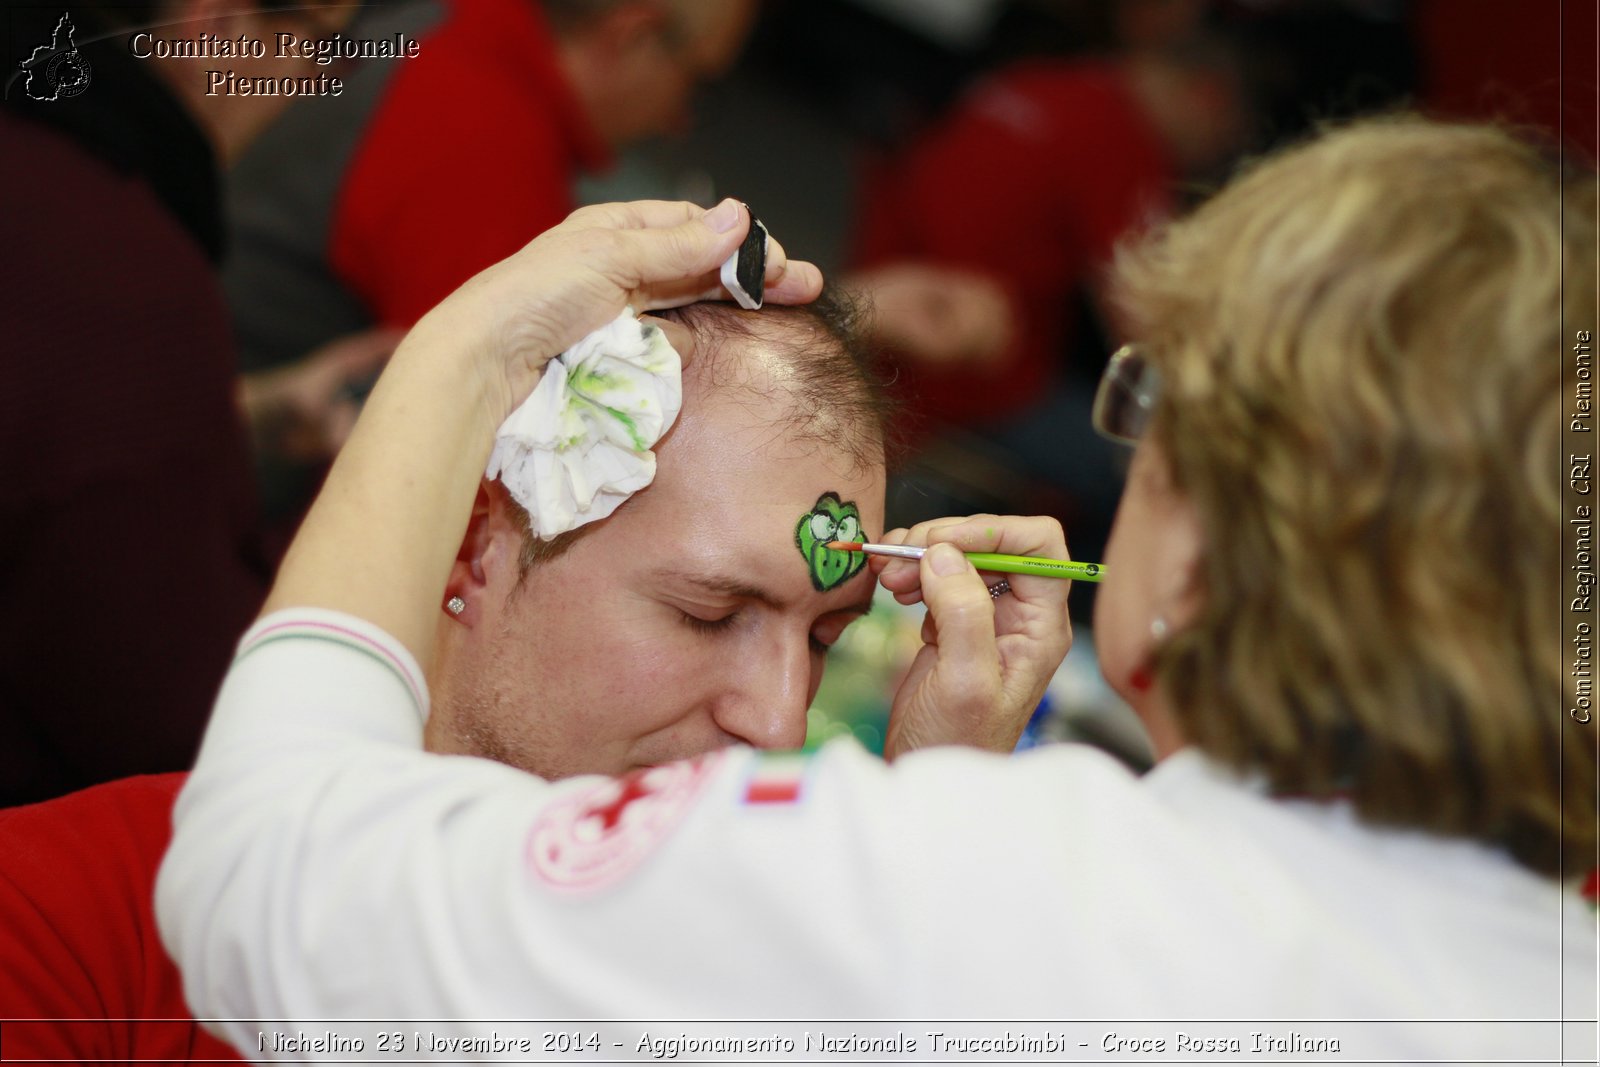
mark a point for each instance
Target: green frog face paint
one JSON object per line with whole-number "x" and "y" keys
{"x": 830, "y": 519}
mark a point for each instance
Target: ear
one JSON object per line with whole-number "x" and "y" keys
{"x": 489, "y": 553}
{"x": 1181, "y": 554}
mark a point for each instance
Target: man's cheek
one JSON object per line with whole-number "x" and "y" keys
{"x": 647, "y": 672}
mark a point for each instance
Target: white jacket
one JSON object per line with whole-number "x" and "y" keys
{"x": 325, "y": 868}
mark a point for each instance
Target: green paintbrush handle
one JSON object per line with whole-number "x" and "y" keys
{"x": 997, "y": 563}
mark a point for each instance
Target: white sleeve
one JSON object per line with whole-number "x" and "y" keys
{"x": 324, "y": 867}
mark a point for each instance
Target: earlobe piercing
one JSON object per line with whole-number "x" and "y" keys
{"x": 1142, "y": 678}
{"x": 455, "y": 605}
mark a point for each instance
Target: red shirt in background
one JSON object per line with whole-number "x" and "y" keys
{"x": 1032, "y": 180}
{"x": 1531, "y": 64}
{"x": 471, "y": 153}
{"x": 78, "y": 938}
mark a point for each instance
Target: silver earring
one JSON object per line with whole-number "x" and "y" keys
{"x": 1158, "y": 629}
{"x": 455, "y": 605}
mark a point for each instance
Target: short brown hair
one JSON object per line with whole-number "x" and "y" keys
{"x": 1361, "y": 344}
{"x": 833, "y": 393}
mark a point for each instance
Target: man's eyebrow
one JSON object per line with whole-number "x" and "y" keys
{"x": 729, "y": 585}
{"x": 726, "y": 584}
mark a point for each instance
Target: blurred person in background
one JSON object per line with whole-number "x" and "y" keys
{"x": 128, "y": 513}
{"x": 1332, "y": 594}
{"x": 369, "y": 209}
{"x": 979, "y": 306}
{"x": 626, "y": 643}
{"x": 824, "y": 78}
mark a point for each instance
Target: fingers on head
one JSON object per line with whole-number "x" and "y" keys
{"x": 647, "y": 241}
{"x": 657, "y": 241}
{"x": 799, "y": 283}
{"x": 679, "y": 336}
{"x": 634, "y": 215}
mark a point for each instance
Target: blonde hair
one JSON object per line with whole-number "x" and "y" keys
{"x": 1361, "y": 344}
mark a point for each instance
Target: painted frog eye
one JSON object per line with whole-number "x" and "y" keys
{"x": 849, "y": 529}
{"x": 823, "y": 528}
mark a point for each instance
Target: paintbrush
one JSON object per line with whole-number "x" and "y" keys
{"x": 993, "y": 562}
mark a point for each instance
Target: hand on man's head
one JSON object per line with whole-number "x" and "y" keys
{"x": 579, "y": 275}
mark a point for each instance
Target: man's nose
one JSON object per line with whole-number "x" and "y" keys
{"x": 766, "y": 705}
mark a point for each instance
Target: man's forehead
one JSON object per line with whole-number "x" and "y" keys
{"x": 688, "y": 511}
{"x": 741, "y": 514}
{"x": 742, "y": 466}
{"x": 755, "y": 354}
{"x": 752, "y": 441}
{"x": 764, "y": 561}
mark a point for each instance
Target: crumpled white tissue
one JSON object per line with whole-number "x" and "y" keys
{"x": 580, "y": 444}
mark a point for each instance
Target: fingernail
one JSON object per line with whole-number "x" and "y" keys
{"x": 723, "y": 217}
{"x": 947, "y": 560}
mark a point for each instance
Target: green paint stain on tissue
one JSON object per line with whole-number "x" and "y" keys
{"x": 639, "y": 443}
{"x": 589, "y": 382}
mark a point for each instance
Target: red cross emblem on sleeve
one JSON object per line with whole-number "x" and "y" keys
{"x": 596, "y": 836}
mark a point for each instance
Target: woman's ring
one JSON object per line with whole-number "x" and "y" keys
{"x": 1000, "y": 589}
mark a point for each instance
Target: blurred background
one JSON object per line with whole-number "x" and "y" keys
{"x": 966, "y": 168}
{"x": 854, "y": 129}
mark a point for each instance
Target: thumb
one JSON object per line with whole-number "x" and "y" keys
{"x": 657, "y": 242}
{"x": 694, "y": 245}
{"x": 963, "y": 614}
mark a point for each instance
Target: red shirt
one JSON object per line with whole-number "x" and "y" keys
{"x": 1535, "y": 65}
{"x": 1032, "y": 180}
{"x": 471, "y": 153}
{"x": 78, "y": 939}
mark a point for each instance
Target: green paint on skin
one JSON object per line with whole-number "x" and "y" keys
{"x": 988, "y": 531}
{"x": 830, "y": 519}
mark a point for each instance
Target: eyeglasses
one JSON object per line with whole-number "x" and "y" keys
{"x": 1127, "y": 396}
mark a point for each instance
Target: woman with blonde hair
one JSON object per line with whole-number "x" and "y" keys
{"x": 1342, "y": 531}
{"x": 1333, "y": 593}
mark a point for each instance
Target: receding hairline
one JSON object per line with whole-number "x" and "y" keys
{"x": 828, "y": 331}
{"x": 813, "y": 355}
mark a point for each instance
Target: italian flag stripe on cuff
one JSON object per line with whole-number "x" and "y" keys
{"x": 776, "y": 778}
{"x": 281, "y": 626}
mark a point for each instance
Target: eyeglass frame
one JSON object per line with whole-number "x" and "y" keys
{"x": 1129, "y": 375}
